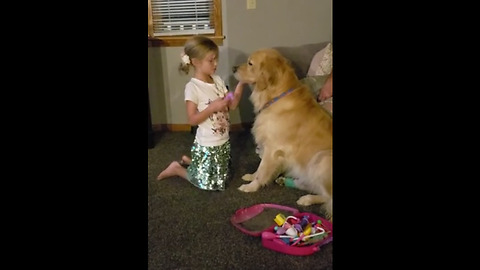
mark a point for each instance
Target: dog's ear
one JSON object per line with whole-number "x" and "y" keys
{"x": 270, "y": 69}
{"x": 261, "y": 82}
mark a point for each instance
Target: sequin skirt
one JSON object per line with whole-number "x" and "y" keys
{"x": 210, "y": 167}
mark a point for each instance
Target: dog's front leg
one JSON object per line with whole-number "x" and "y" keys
{"x": 263, "y": 175}
{"x": 249, "y": 177}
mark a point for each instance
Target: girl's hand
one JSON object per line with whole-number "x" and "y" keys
{"x": 325, "y": 93}
{"x": 219, "y": 104}
{"x": 237, "y": 95}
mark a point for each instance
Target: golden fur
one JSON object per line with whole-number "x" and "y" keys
{"x": 294, "y": 133}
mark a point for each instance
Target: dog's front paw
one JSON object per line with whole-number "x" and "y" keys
{"x": 251, "y": 187}
{"x": 248, "y": 177}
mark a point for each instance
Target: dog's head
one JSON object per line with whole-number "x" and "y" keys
{"x": 264, "y": 68}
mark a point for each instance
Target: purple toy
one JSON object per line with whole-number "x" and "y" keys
{"x": 229, "y": 96}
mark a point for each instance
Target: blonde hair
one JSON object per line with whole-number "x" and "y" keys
{"x": 197, "y": 47}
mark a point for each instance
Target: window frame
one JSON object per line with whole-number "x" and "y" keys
{"x": 175, "y": 41}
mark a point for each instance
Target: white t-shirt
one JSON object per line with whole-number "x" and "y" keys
{"x": 215, "y": 129}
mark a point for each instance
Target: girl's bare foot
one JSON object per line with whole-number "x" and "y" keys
{"x": 172, "y": 170}
{"x": 186, "y": 160}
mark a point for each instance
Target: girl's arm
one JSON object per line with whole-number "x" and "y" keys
{"x": 195, "y": 117}
{"x": 237, "y": 95}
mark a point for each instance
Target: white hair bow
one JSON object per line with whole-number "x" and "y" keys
{"x": 185, "y": 58}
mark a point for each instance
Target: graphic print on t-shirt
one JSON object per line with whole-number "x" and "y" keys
{"x": 220, "y": 120}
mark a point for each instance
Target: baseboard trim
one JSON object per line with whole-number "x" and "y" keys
{"x": 187, "y": 127}
{"x": 171, "y": 127}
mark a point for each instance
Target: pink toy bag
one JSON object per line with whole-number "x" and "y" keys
{"x": 272, "y": 221}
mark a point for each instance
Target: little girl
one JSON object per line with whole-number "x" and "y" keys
{"x": 207, "y": 106}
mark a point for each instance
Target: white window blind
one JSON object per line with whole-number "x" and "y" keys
{"x": 182, "y": 17}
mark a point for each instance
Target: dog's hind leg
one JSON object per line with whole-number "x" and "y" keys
{"x": 318, "y": 180}
{"x": 326, "y": 201}
{"x": 310, "y": 199}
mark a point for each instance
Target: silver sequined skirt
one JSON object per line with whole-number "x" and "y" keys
{"x": 210, "y": 167}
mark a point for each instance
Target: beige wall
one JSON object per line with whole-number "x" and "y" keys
{"x": 272, "y": 23}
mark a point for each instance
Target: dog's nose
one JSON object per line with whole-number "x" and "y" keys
{"x": 234, "y": 69}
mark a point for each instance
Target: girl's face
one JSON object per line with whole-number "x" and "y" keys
{"x": 208, "y": 65}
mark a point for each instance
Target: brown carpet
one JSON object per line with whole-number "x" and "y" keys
{"x": 189, "y": 228}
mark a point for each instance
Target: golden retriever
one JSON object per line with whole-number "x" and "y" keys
{"x": 293, "y": 131}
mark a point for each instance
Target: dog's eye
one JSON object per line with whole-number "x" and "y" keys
{"x": 249, "y": 63}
